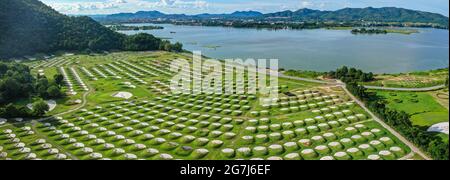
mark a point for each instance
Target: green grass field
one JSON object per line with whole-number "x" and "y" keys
{"x": 308, "y": 121}
{"x": 422, "y": 107}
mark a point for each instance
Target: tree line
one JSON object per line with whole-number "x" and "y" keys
{"x": 399, "y": 120}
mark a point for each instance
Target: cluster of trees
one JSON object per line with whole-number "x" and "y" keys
{"x": 369, "y": 31}
{"x": 40, "y": 107}
{"x": 143, "y": 42}
{"x": 167, "y": 46}
{"x": 400, "y": 120}
{"x": 49, "y": 89}
{"x": 28, "y": 27}
{"x": 348, "y": 75}
{"x": 16, "y": 83}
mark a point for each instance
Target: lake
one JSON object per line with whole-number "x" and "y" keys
{"x": 318, "y": 49}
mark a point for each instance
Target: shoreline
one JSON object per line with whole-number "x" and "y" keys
{"x": 287, "y": 25}
{"x": 64, "y": 53}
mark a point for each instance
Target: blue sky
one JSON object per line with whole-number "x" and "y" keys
{"x": 227, "y": 6}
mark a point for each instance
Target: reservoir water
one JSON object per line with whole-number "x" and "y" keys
{"x": 318, "y": 49}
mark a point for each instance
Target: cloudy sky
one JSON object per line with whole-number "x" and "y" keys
{"x": 227, "y": 6}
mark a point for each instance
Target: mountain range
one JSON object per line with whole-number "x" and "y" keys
{"x": 369, "y": 14}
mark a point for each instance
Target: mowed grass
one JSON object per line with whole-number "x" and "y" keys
{"x": 423, "y": 108}
{"x": 185, "y": 126}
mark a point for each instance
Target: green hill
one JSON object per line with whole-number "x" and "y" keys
{"x": 369, "y": 14}
{"x": 28, "y": 27}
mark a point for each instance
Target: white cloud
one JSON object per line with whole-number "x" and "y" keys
{"x": 77, "y": 7}
{"x": 306, "y": 4}
{"x": 114, "y": 6}
{"x": 228, "y": 6}
{"x": 167, "y": 2}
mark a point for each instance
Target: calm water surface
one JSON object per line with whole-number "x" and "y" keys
{"x": 319, "y": 49}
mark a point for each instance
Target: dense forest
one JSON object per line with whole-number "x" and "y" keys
{"x": 399, "y": 120}
{"x": 17, "y": 83}
{"x": 28, "y": 27}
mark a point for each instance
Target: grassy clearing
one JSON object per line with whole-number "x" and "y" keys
{"x": 423, "y": 108}
{"x": 441, "y": 97}
{"x": 304, "y": 74}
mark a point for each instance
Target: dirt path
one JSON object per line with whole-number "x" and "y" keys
{"x": 391, "y": 130}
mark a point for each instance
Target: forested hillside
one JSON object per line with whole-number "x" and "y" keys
{"x": 369, "y": 14}
{"x": 356, "y": 16}
{"x": 28, "y": 27}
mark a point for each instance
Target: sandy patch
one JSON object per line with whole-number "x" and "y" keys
{"x": 440, "y": 127}
{"x": 124, "y": 95}
{"x": 51, "y": 104}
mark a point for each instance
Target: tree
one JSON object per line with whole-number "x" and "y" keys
{"x": 167, "y": 46}
{"x": 446, "y": 82}
{"x": 59, "y": 79}
{"x": 177, "y": 47}
{"x": 141, "y": 42}
{"x": 40, "y": 107}
{"x": 16, "y": 82}
{"x": 12, "y": 111}
{"x": 54, "y": 92}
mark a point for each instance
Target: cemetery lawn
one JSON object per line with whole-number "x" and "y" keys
{"x": 307, "y": 122}
{"x": 419, "y": 79}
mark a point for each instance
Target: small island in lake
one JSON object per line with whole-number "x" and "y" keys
{"x": 383, "y": 31}
{"x": 121, "y": 27}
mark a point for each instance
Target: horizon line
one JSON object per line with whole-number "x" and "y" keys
{"x": 252, "y": 11}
